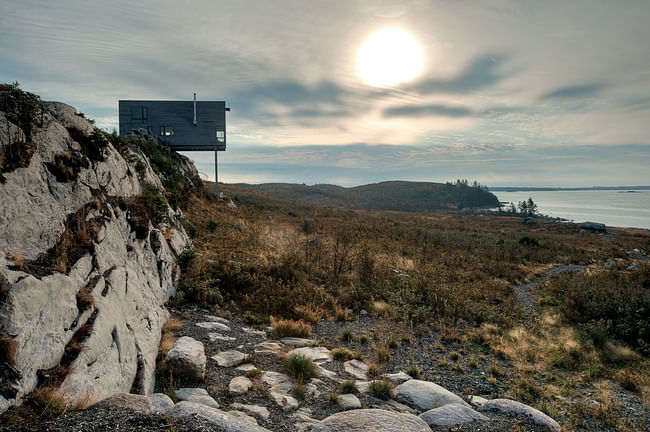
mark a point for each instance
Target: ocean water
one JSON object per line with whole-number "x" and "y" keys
{"x": 611, "y": 207}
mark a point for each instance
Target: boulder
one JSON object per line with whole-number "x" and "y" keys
{"x": 132, "y": 402}
{"x": 196, "y": 395}
{"x": 451, "y": 415}
{"x": 425, "y": 395}
{"x": 348, "y": 402}
{"x": 246, "y": 367}
{"x": 297, "y": 342}
{"x": 268, "y": 347}
{"x": 229, "y": 358}
{"x": 258, "y": 411}
{"x": 254, "y": 332}
{"x": 513, "y": 407}
{"x": 371, "y": 420}
{"x": 213, "y": 325}
{"x": 281, "y": 389}
{"x": 224, "y": 421}
{"x": 357, "y": 369}
{"x": 398, "y": 378}
{"x": 187, "y": 358}
{"x": 316, "y": 354}
{"x": 240, "y": 385}
{"x": 161, "y": 402}
{"x": 218, "y": 336}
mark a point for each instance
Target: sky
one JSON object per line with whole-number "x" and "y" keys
{"x": 509, "y": 93}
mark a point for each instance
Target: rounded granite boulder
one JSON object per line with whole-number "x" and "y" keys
{"x": 371, "y": 420}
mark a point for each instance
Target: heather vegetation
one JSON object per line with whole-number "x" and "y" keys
{"x": 446, "y": 273}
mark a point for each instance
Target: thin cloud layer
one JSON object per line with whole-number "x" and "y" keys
{"x": 510, "y": 92}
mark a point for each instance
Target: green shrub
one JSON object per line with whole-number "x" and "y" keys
{"x": 347, "y": 335}
{"x": 300, "y": 367}
{"x": 299, "y": 391}
{"x": 454, "y": 356}
{"x": 413, "y": 371}
{"x": 381, "y": 389}
{"x": 342, "y": 354}
{"x": 253, "y": 373}
{"x": 333, "y": 398}
{"x": 212, "y": 225}
{"x": 348, "y": 386}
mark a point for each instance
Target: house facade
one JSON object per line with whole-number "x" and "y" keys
{"x": 183, "y": 125}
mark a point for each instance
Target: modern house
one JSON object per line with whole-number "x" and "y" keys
{"x": 183, "y": 125}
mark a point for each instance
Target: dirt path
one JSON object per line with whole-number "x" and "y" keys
{"x": 524, "y": 294}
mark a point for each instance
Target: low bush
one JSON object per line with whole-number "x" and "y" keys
{"x": 348, "y": 386}
{"x": 347, "y": 335}
{"x": 300, "y": 367}
{"x": 342, "y": 354}
{"x": 612, "y": 303}
{"x": 413, "y": 371}
{"x": 288, "y": 328}
{"x": 381, "y": 389}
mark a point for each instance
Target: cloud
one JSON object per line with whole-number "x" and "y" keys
{"x": 575, "y": 91}
{"x": 427, "y": 110}
{"x": 482, "y": 72}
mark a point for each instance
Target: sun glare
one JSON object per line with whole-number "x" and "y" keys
{"x": 389, "y": 57}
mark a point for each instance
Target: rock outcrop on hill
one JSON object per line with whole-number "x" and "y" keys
{"x": 84, "y": 273}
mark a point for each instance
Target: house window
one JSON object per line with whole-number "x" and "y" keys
{"x": 221, "y": 135}
{"x": 166, "y": 131}
{"x": 139, "y": 113}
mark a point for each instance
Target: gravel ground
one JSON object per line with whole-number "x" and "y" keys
{"x": 433, "y": 356}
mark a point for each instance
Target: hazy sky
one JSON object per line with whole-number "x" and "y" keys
{"x": 511, "y": 92}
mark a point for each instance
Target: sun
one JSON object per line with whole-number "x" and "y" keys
{"x": 389, "y": 57}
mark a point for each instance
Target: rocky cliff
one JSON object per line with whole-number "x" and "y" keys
{"x": 88, "y": 257}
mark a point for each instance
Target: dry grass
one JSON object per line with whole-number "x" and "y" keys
{"x": 310, "y": 313}
{"x": 288, "y": 328}
{"x": 48, "y": 399}
{"x": 17, "y": 259}
{"x": 168, "y": 335}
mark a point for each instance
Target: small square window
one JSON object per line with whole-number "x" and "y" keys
{"x": 221, "y": 135}
{"x": 166, "y": 131}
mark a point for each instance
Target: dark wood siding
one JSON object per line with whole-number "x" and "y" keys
{"x": 178, "y": 115}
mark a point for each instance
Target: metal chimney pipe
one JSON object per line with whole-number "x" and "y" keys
{"x": 194, "y": 109}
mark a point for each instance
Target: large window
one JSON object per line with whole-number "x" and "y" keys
{"x": 221, "y": 135}
{"x": 139, "y": 113}
{"x": 166, "y": 131}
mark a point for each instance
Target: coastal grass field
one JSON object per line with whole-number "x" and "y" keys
{"x": 581, "y": 352}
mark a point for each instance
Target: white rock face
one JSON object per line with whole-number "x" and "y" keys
{"x": 187, "y": 357}
{"x": 218, "y": 336}
{"x": 514, "y": 407}
{"x": 371, "y": 420}
{"x": 281, "y": 389}
{"x": 223, "y": 420}
{"x": 398, "y": 378}
{"x": 129, "y": 279}
{"x": 425, "y": 395}
{"x": 296, "y": 342}
{"x": 268, "y": 347}
{"x": 213, "y": 325}
{"x": 316, "y": 354}
{"x": 229, "y": 358}
{"x": 196, "y": 395}
{"x": 451, "y": 415}
{"x": 240, "y": 385}
{"x": 357, "y": 369}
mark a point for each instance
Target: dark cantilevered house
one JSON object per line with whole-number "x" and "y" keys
{"x": 182, "y": 125}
